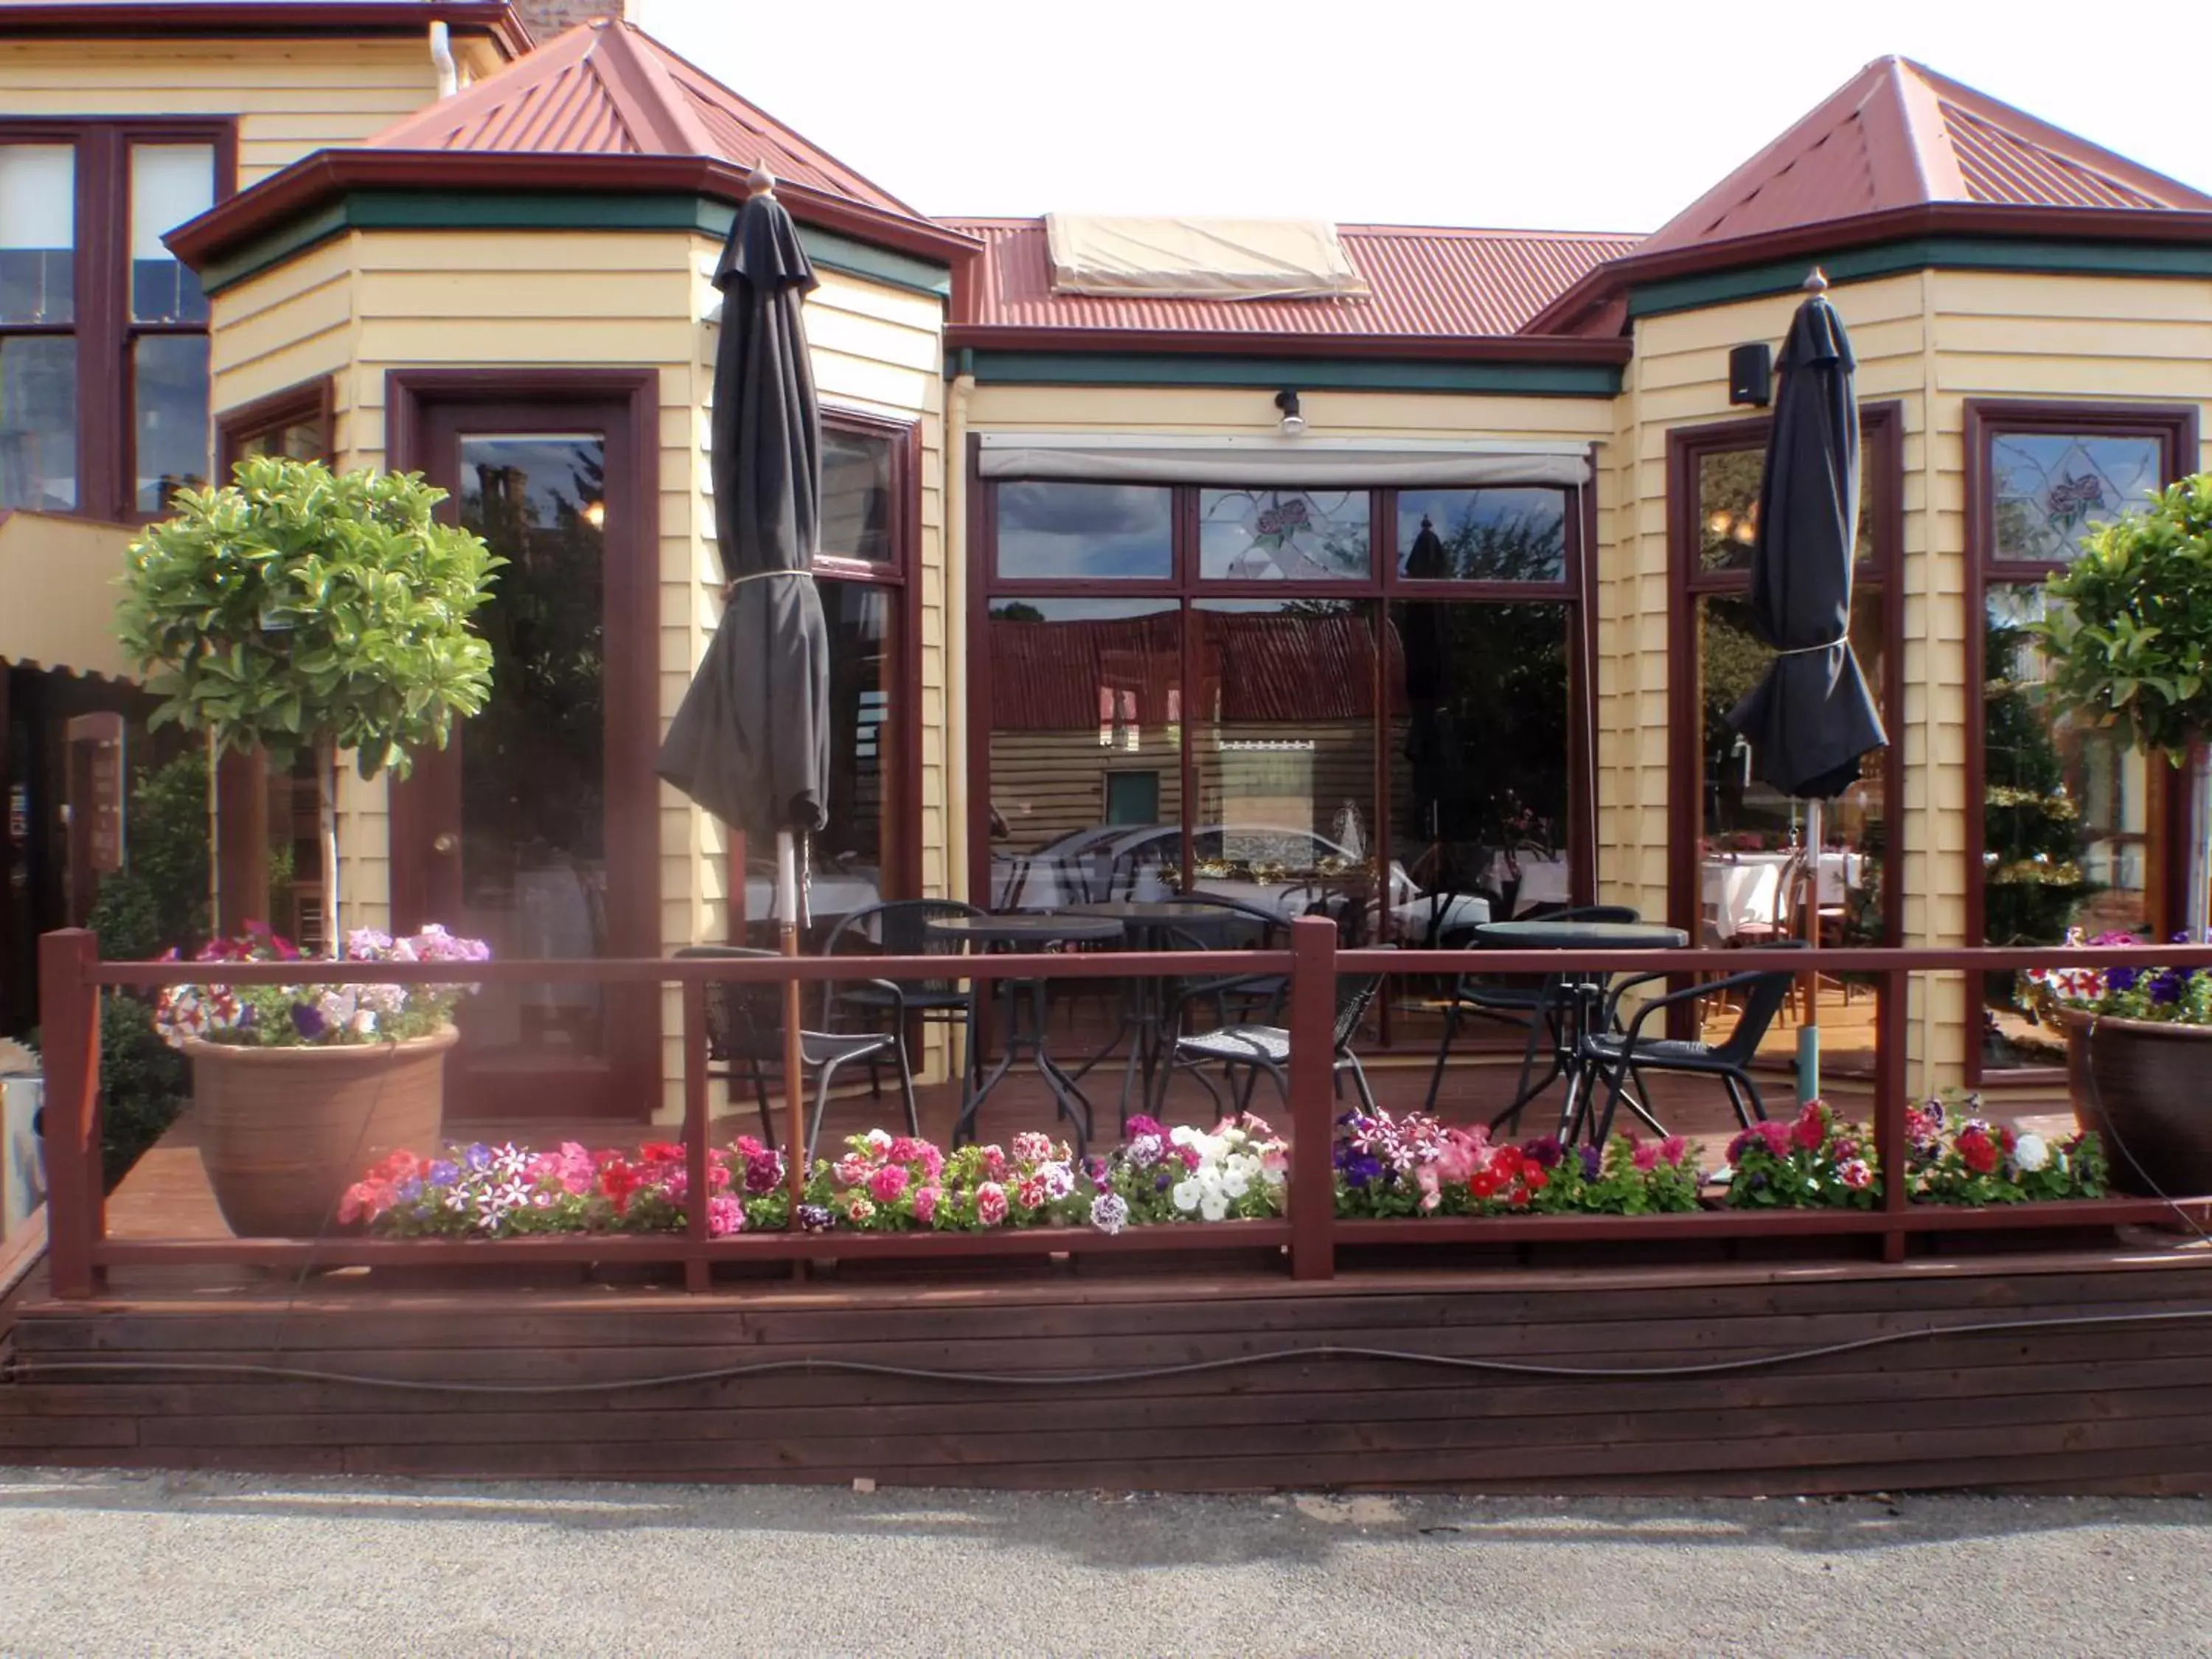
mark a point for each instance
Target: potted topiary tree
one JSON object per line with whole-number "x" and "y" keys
{"x": 2128, "y": 645}
{"x": 297, "y": 609}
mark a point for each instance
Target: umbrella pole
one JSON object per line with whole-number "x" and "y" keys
{"x": 1808, "y": 1030}
{"x": 794, "y": 1076}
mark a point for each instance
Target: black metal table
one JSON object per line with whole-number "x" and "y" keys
{"x": 1144, "y": 1009}
{"x": 1027, "y": 930}
{"x": 1574, "y": 1005}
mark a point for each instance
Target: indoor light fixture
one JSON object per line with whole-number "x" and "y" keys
{"x": 1294, "y": 422}
{"x": 595, "y": 514}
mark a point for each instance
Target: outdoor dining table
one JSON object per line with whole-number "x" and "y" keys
{"x": 1574, "y": 1005}
{"x": 1027, "y": 930}
{"x": 1149, "y": 924}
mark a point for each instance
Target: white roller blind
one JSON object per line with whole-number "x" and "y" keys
{"x": 38, "y": 195}
{"x": 169, "y": 184}
{"x": 1299, "y": 462}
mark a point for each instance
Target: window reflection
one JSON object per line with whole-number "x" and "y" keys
{"x": 1516, "y": 535}
{"x": 533, "y": 763}
{"x": 169, "y": 185}
{"x": 38, "y": 233}
{"x": 1087, "y": 744}
{"x": 1059, "y": 530}
{"x": 1479, "y": 741}
{"x": 1728, "y": 507}
{"x": 1282, "y": 535}
{"x": 2065, "y": 820}
{"x": 856, "y": 495}
{"x": 1283, "y": 751}
{"x": 169, "y": 408}
{"x": 38, "y": 423}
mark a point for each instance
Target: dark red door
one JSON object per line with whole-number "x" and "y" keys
{"x": 534, "y": 829}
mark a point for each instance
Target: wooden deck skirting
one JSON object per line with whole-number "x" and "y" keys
{"x": 2086, "y": 1375}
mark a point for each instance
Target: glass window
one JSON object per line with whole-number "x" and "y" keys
{"x": 1060, "y": 530}
{"x": 852, "y": 852}
{"x": 2048, "y": 489}
{"x": 1728, "y": 507}
{"x": 169, "y": 401}
{"x": 2066, "y": 819}
{"x": 1284, "y": 749}
{"x": 169, "y": 185}
{"x": 1282, "y": 535}
{"x": 1084, "y": 692}
{"x": 1479, "y": 746}
{"x": 296, "y": 440}
{"x": 38, "y": 423}
{"x": 856, "y": 495}
{"x": 533, "y": 763}
{"x": 38, "y": 233}
{"x": 1482, "y": 535}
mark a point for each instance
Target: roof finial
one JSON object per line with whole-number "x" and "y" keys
{"x": 1817, "y": 280}
{"x": 760, "y": 182}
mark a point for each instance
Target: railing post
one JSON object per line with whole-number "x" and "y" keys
{"x": 697, "y": 1273}
{"x": 69, "y": 1037}
{"x": 1889, "y": 1104}
{"x": 1312, "y": 1026}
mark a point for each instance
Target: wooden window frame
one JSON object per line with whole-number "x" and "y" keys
{"x": 106, "y": 431}
{"x": 2166, "y": 877}
{"x": 1882, "y": 454}
{"x": 311, "y": 403}
{"x": 1573, "y": 590}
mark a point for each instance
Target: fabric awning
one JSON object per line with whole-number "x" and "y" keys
{"x": 59, "y": 576}
{"x": 1299, "y": 462}
{"x": 1165, "y": 258}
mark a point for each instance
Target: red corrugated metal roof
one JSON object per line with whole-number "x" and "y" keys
{"x": 1899, "y": 135}
{"x": 608, "y": 89}
{"x": 1425, "y": 282}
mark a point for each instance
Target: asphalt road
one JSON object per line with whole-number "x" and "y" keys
{"x": 99, "y": 1563}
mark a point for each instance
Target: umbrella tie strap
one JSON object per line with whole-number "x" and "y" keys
{"x": 1794, "y": 651}
{"x": 731, "y": 587}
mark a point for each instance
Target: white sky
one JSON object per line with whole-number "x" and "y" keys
{"x": 1577, "y": 114}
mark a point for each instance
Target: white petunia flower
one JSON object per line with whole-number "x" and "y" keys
{"x": 1186, "y": 1195}
{"x": 1215, "y": 1207}
{"x": 2032, "y": 1152}
{"x": 1236, "y": 1184}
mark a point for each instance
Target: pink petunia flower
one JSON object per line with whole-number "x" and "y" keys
{"x": 990, "y": 1204}
{"x": 925, "y": 1204}
{"x": 724, "y": 1215}
{"x": 887, "y": 1183}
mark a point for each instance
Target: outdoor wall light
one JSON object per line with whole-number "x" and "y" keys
{"x": 1294, "y": 422}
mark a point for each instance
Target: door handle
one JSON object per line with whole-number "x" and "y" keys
{"x": 445, "y": 843}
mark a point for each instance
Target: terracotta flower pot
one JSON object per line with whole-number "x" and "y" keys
{"x": 283, "y": 1131}
{"x": 2142, "y": 1086}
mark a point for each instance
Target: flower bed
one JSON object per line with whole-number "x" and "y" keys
{"x": 321, "y": 1016}
{"x": 1416, "y": 1166}
{"x": 1955, "y": 1156}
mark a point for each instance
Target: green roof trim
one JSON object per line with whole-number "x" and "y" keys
{"x": 1307, "y": 374}
{"x": 2056, "y": 258}
{"x": 426, "y": 209}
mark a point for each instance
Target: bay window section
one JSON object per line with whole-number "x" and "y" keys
{"x": 38, "y": 422}
{"x": 1048, "y": 531}
{"x": 1283, "y": 535}
{"x": 1482, "y": 535}
{"x": 2070, "y": 829}
{"x": 38, "y": 311}
{"x": 38, "y": 235}
{"x": 169, "y": 401}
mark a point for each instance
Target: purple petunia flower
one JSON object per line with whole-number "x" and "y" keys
{"x": 1593, "y": 1161}
{"x": 307, "y": 1020}
{"x": 1362, "y": 1169}
{"x": 814, "y": 1218}
{"x": 2121, "y": 979}
{"x": 2169, "y": 987}
{"x": 444, "y": 1173}
{"x": 1544, "y": 1151}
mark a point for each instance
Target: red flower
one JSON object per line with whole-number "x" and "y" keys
{"x": 1505, "y": 1164}
{"x": 1979, "y": 1151}
{"x": 1534, "y": 1179}
{"x": 619, "y": 1180}
{"x": 1811, "y": 1128}
{"x": 1483, "y": 1184}
{"x": 660, "y": 1152}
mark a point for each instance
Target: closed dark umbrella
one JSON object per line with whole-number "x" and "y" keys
{"x": 750, "y": 741}
{"x": 1811, "y": 719}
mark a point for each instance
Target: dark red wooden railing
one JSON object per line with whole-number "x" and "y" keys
{"x": 79, "y": 1250}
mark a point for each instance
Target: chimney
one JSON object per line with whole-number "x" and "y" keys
{"x": 546, "y": 18}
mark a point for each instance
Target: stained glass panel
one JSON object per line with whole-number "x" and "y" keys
{"x": 2049, "y": 489}
{"x": 1282, "y": 535}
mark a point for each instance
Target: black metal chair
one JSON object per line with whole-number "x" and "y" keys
{"x": 1626, "y": 1056}
{"x": 1267, "y": 1047}
{"x": 745, "y": 1036}
{"x": 1523, "y": 1002}
{"x": 900, "y": 927}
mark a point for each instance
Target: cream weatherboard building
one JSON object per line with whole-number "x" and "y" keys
{"x": 1414, "y": 590}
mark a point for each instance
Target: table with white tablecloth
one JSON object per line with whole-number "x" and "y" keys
{"x": 1542, "y": 879}
{"x": 1743, "y": 890}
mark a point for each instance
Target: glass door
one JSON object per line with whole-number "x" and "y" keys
{"x": 534, "y": 830}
